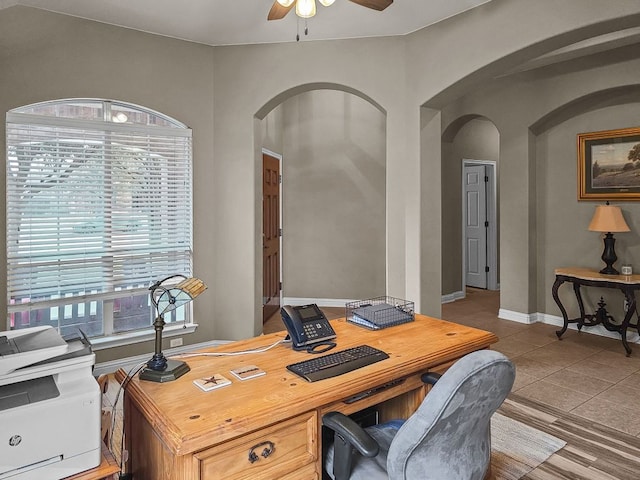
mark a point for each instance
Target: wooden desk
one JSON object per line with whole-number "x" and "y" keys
{"x": 175, "y": 431}
{"x": 627, "y": 284}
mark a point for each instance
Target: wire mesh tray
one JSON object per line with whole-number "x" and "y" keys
{"x": 379, "y": 312}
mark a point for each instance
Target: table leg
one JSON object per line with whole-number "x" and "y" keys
{"x": 576, "y": 290}
{"x": 554, "y": 292}
{"x": 631, "y": 309}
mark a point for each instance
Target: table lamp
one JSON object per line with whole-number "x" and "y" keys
{"x": 608, "y": 219}
{"x": 167, "y": 295}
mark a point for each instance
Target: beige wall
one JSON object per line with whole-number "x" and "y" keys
{"x": 224, "y": 93}
{"x": 333, "y": 197}
{"x": 272, "y": 131}
{"x": 44, "y": 56}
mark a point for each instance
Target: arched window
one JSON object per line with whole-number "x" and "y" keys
{"x": 99, "y": 206}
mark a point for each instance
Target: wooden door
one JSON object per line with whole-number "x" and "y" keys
{"x": 270, "y": 236}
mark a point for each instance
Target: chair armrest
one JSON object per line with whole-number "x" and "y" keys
{"x": 347, "y": 435}
{"x": 430, "y": 378}
{"x": 352, "y": 433}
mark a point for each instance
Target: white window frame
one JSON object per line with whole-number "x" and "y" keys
{"x": 107, "y": 295}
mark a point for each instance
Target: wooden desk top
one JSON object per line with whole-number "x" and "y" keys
{"x": 188, "y": 419}
{"x": 595, "y": 275}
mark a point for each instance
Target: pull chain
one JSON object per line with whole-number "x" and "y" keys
{"x": 306, "y": 28}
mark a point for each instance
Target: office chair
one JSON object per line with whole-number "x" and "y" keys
{"x": 447, "y": 438}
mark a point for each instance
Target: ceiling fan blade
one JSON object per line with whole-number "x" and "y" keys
{"x": 278, "y": 11}
{"x": 374, "y": 4}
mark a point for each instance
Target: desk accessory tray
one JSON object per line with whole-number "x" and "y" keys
{"x": 379, "y": 312}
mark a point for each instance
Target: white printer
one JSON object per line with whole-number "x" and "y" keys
{"x": 50, "y": 406}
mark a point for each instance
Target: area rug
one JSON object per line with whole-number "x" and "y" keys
{"x": 516, "y": 448}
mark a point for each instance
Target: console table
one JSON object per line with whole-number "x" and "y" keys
{"x": 579, "y": 277}
{"x": 270, "y": 427}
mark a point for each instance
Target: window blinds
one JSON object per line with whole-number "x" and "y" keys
{"x": 93, "y": 208}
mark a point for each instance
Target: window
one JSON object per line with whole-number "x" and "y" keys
{"x": 98, "y": 207}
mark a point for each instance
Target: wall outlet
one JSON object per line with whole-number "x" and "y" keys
{"x": 175, "y": 342}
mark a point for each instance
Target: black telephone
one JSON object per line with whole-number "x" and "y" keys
{"x": 308, "y": 328}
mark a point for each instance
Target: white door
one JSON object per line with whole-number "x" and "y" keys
{"x": 475, "y": 205}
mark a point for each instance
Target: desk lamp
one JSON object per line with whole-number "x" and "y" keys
{"x": 608, "y": 219}
{"x": 166, "y": 296}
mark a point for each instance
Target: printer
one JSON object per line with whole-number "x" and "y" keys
{"x": 50, "y": 405}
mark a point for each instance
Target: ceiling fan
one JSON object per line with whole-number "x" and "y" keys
{"x": 307, "y": 8}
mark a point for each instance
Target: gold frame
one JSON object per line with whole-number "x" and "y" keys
{"x": 616, "y": 143}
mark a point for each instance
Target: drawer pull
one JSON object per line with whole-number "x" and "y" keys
{"x": 268, "y": 450}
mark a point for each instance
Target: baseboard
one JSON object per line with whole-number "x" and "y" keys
{"x": 321, "y": 302}
{"x": 341, "y": 302}
{"x": 452, "y": 297}
{"x": 130, "y": 362}
{"x": 527, "y": 318}
{"x": 632, "y": 335}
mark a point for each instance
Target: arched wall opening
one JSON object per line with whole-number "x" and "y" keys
{"x": 543, "y": 224}
{"x": 470, "y": 143}
{"x": 452, "y": 108}
{"x": 332, "y": 140}
{"x": 515, "y": 100}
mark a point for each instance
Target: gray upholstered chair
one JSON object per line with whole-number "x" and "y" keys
{"x": 447, "y": 438}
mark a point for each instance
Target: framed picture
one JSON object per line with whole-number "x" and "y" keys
{"x": 609, "y": 165}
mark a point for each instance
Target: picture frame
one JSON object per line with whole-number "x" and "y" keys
{"x": 609, "y": 165}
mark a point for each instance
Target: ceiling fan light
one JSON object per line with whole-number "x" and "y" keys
{"x": 306, "y": 8}
{"x": 286, "y": 3}
{"x": 326, "y": 3}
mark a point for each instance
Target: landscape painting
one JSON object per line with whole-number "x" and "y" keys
{"x": 609, "y": 165}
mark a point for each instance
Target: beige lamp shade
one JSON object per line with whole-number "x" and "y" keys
{"x": 608, "y": 218}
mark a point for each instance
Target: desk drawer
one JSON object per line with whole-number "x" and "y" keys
{"x": 305, "y": 473}
{"x": 269, "y": 453}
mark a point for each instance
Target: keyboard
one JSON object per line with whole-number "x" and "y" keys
{"x": 337, "y": 363}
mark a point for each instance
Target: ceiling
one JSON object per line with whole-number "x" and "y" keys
{"x": 240, "y": 22}
{"x": 234, "y": 22}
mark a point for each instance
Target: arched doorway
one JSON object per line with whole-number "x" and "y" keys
{"x": 470, "y": 230}
{"x": 333, "y": 148}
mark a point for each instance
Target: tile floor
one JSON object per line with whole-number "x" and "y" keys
{"x": 584, "y": 374}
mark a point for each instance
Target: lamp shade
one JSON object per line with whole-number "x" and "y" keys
{"x": 608, "y": 218}
{"x": 167, "y": 298}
